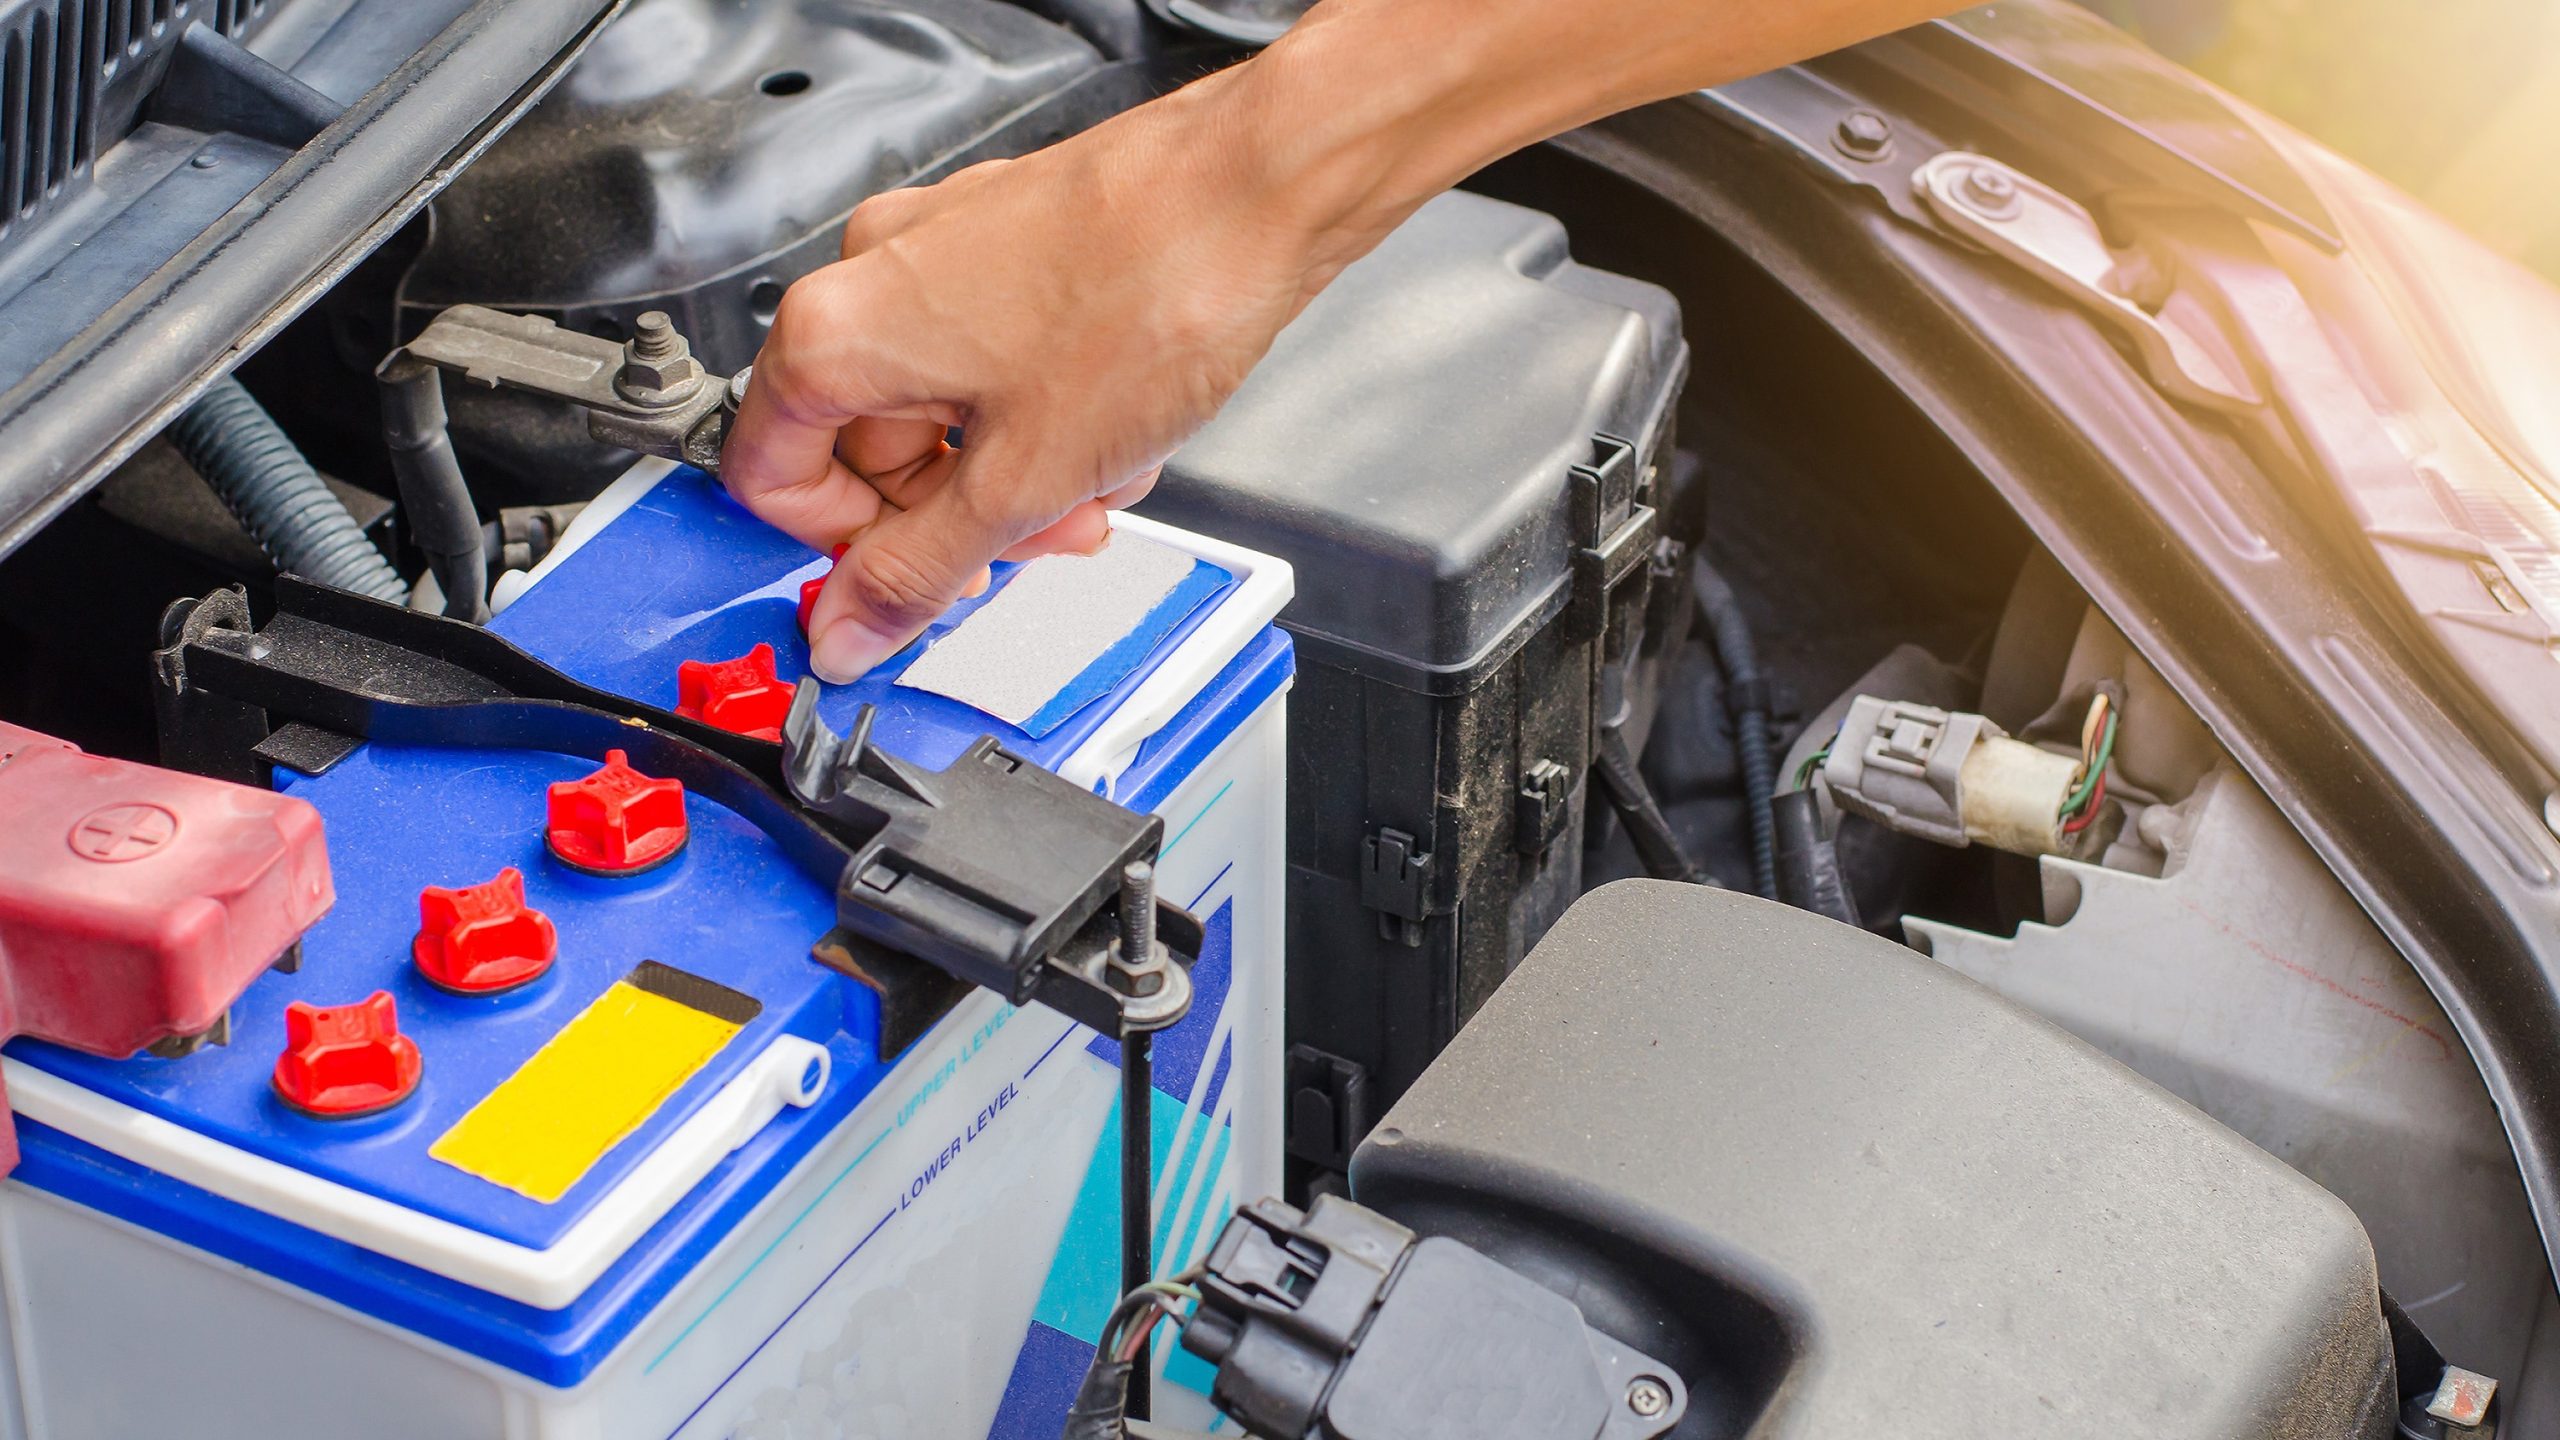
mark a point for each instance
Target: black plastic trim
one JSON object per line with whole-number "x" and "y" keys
{"x": 331, "y": 203}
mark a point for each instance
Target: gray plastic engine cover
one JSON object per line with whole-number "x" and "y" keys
{"x": 1849, "y": 1193}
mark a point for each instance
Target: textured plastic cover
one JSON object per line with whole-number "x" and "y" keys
{"x": 1847, "y": 1193}
{"x": 1405, "y": 444}
{"x": 136, "y": 902}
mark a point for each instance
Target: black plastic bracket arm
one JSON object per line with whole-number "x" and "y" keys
{"x": 992, "y": 872}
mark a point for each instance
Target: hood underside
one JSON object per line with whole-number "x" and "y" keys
{"x": 178, "y": 178}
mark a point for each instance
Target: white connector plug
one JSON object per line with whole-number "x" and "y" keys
{"x": 1950, "y": 777}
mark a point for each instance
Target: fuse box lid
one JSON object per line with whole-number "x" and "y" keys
{"x": 1435, "y": 533}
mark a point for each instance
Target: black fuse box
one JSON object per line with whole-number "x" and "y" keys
{"x": 1463, "y": 447}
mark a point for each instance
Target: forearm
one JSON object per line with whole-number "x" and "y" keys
{"x": 1369, "y": 107}
{"x": 1084, "y": 309}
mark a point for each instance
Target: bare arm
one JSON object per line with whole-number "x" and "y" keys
{"x": 1084, "y": 309}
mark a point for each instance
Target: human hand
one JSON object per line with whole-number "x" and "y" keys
{"x": 1080, "y": 312}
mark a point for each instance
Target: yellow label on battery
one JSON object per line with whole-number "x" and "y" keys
{"x": 595, "y": 1082}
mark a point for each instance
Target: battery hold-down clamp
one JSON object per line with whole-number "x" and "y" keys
{"x": 992, "y": 872}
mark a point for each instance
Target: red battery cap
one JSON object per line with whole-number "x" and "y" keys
{"x": 481, "y": 939}
{"x": 341, "y": 1061}
{"x": 137, "y": 903}
{"x": 743, "y": 696}
{"x": 809, "y": 589}
{"x": 616, "y": 821}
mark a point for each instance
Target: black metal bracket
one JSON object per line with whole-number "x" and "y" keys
{"x": 992, "y": 872}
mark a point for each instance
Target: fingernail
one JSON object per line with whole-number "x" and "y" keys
{"x": 846, "y": 651}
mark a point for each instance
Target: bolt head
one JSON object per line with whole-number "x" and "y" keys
{"x": 1648, "y": 1397}
{"x": 1991, "y": 191}
{"x": 1864, "y": 135}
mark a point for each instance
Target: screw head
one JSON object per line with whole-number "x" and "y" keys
{"x": 204, "y": 160}
{"x": 1864, "y": 135}
{"x": 1648, "y": 1397}
{"x": 1991, "y": 191}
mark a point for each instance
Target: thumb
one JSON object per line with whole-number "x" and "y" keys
{"x": 897, "y": 575}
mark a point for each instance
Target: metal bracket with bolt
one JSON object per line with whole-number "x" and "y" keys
{"x": 647, "y": 394}
{"x": 2048, "y": 234}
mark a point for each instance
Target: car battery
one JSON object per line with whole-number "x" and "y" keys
{"x": 1478, "y": 614}
{"x": 558, "y": 1130}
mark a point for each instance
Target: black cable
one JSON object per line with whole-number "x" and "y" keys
{"x": 1746, "y": 698}
{"x": 435, "y": 503}
{"x": 1137, "y": 1211}
{"x": 1100, "y": 1409}
{"x": 1809, "y": 874}
{"x": 1648, "y": 829}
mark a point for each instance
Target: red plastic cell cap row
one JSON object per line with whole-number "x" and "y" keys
{"x": 484, "y": 939}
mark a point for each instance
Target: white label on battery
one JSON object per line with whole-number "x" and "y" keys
{"x": 1054, "y": 620}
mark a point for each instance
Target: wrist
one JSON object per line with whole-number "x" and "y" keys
{"x": 1345, "y": 130}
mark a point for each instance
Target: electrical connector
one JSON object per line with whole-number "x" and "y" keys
{"x": 1336, "y": 1323}
{"x": 1951, "y": 777}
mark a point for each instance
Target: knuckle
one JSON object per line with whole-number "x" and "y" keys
{"x": 873, "y": 221}
{"x": 798, "y": 314}
{"x": 891, "y": 585}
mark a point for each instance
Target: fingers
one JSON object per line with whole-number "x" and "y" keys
{"x": 780, "y": 456}
{"x": 896, "y": 577}
{"x": 877, "y": 448}
{"x": 1081, "y": 531}
{"x": 1086, "y": 528}
{"x": 1136, "y": 490}
{"x": 821, "y": 513}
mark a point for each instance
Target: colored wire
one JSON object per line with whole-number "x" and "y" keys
{"x": 1123, "y": 1332}
{"x": 2094, "y": 759}
{"x": 1160, "y": 1310}
{"x": 2089, "y": 816}
{"x": 1813, "y": 762}
{"x": 1164, "y": 1298}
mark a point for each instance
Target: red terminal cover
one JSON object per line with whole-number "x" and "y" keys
{"x": 342, "y": 1061}
{"x": 482, "y": 939}
{"x": 615, "y": 821}
{"x": 137, "y": 903}
{"x": 743, "y": 696}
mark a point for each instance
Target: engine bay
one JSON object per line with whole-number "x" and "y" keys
{"x": 1614, "y": 560}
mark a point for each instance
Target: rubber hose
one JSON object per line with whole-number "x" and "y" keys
{"x": 276, "y": 496}
{"x": 1746, "y": 698}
